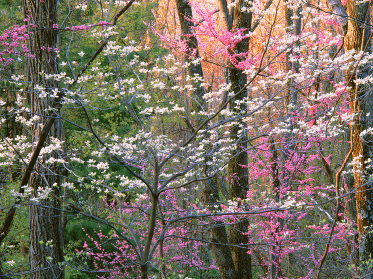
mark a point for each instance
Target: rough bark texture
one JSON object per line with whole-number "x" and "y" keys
{"x": 361, "y": 105}
{"x": 46, "y": 245}
{"x": 339, "y": 10}
{"x": 238, "y": 174}
{"x": 223, "y": 6}
{"x": 144, "y": 271}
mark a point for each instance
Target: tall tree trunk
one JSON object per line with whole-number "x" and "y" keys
{"x": 46, "y": 245}
{"x": 184, "y": 11}
{"x": 219, "y": 237}
{"x": 358, "y": 37}
{"x": 361, "y": 104}
{"x": 238, "y": 172}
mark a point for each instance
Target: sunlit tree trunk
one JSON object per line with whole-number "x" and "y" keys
{"x": 184, "y": 11}
{"x": 356, "y": 22}
{"x": 46, "y": 244}
{"x": 358, "y": 37}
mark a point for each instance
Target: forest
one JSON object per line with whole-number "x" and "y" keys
{"x": 186, "y": 139}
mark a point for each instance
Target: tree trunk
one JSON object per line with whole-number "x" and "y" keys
{"x": 238, "y": 172}
{"x": 184, "y": 11}
{"x": 144, "y": 271}
{"x": 46, "y": 243}
{"x": 219, "y": 237}
{"x": 358, "y": 37}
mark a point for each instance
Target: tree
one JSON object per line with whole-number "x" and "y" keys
{"x": 46, "y": 245}
{"x": 44, "y": 95}
{"x": 358, "y": 39}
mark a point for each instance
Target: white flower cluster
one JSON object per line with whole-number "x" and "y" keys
{"x": 30, "y": 122}
{"x": 106, "y": 32}
{"x": 56, "y": 145}
{"x": 82, "y": 6}
{"x": 112, "y": 48}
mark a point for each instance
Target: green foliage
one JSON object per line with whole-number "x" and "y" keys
{"x": 75, "y": 236}
{"x": 10, "y": 13}
{"x": 15, "y": 246}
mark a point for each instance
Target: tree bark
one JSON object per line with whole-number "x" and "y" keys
{"x": 46, "y": 245}
{"x": 358, "y": 37}
{"x": 238, "y": 172}
{"x": 144, "y": 271}
{"x": 184, "y": 11}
